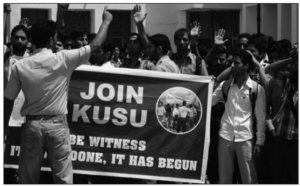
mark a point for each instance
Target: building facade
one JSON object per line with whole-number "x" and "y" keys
{"x": 277, "y": 20}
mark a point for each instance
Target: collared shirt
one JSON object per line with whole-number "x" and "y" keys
{"x": 108, "y": 64}
{"x": 126, "y": 63}
{"x": 183, "y": 111}
{"x": 186, "y": 65}
{"x": 44, "y": 79}
{"x": 165, "y": 64}
{"x": 9, "y": 63}
{"x": 236, "y": 122}
{"x": 15, "y": 119}
{"x": 161, "y": 111}
{"x": 175, "y": 112}
{"x": 193, "y": 112}
{"x": 284, "y": 120}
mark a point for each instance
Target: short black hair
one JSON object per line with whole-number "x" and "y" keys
{"x": 260, "y": 42}
{"x": 135, "y": 34}
{"x": 63, "y": 35}
{"x": 184, "y": 103}
{"x": 181, "y": 31}
{"x": 42, "y": 32}
{"x": 244, "y": 35}
{"x": 108, "y": 46}
{"x": 221, "y": 49}
{"x": 161, "y": 40}
{"x": 244, "y": 55}
{"x": 77, "y": 33}
{"x": 20, "y": 27}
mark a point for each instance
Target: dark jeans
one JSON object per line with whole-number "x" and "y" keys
{"x": 175, "y": 121}
{"x": 53, "y": 137}
{"x": 181, "y": 124}
{"x": 282, "y": 160}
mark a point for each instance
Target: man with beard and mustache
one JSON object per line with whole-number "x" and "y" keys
{"x": 19, "y": 38}
{"x": 187, "y": 62}
{"x": 282, "y": 121}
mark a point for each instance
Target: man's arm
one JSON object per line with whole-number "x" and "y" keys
{"x": 278, "y": 65}
{"x": 7, "y": 11}
{"x": 8, "y": 104}
{"x": 217, "y": 41}
{"x": 203, "y": 70}
{"x": 223, "y": 76}
{"x": 217, "y": 95}
{"x": 101, "y": 35}
{"x": 195, "y": 34}
{"x": 260, "y": 114}
{"x": 263, "y": 77}
{"x": 60, "y": 16}
{"x": 139, "y": 18}
{"x": 269, "y": 121}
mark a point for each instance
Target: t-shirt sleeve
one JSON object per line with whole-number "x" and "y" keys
{"x": 14, "y": 85}
{"x": 77, "y": 57}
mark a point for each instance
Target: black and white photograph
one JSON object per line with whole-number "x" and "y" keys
{"x": 65, "y": 64}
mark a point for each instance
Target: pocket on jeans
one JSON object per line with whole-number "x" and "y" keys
{"x": 60, "y": 143}
{"x": 31, "y": 147}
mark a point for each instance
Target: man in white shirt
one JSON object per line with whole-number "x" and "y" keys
{"x": 236, "y": 133}
{"x": 175, "y": 115}
{"x": 44, "y": 79}
{"x": 182, "y": 119}
{"x": 161, "y": 111}
{"x": 157, "y": 49}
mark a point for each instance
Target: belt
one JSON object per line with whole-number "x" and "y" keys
{"x": 56, "y": 118}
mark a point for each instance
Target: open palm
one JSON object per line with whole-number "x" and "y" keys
{"x": 219, "y": 37}
{"x": 196, "y": 29}
{"x": 138, "y": 16}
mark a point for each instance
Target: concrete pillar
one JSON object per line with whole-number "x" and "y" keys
{"x": 294, "y": 23}
{"x": 269, "y": 20}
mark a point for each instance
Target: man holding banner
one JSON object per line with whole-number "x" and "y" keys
{"x": 44, "y": 78}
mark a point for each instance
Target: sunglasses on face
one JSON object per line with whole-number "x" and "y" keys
{"x": 242, "y": 44}
{"x": 133, "y": 41}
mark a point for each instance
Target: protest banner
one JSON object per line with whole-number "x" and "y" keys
{"x": 115, "y": 129}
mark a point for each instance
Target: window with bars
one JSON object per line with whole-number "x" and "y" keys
{"x": 211, "y": 21}
{"x": 78, "y": 20}
{"x": 34, "y": 15}
{"x": 120, "y": 28}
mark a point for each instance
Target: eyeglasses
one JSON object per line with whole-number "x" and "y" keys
{"x": 242, "y": 44}
{"x": 133, "y": 41}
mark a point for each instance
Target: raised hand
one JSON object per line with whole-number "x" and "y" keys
{"x": 219, "y": 37}
{"x": 7, "y": 8}
{"x": 106, "y": 17}
{"x": 255, "y": 62}
{"x": 196, "y": 29}
{"x": 24, "y": 22}
{"x": 62, "y": 7}
{"x": 138, "y": 16}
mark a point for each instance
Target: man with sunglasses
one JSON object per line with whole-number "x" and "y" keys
{"x": 243, "y": 40}
{"x": 134, "y": 48}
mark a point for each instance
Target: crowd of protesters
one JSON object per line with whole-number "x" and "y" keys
{"x": 170, "y": 114}
{"x": 253, "y": 139}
